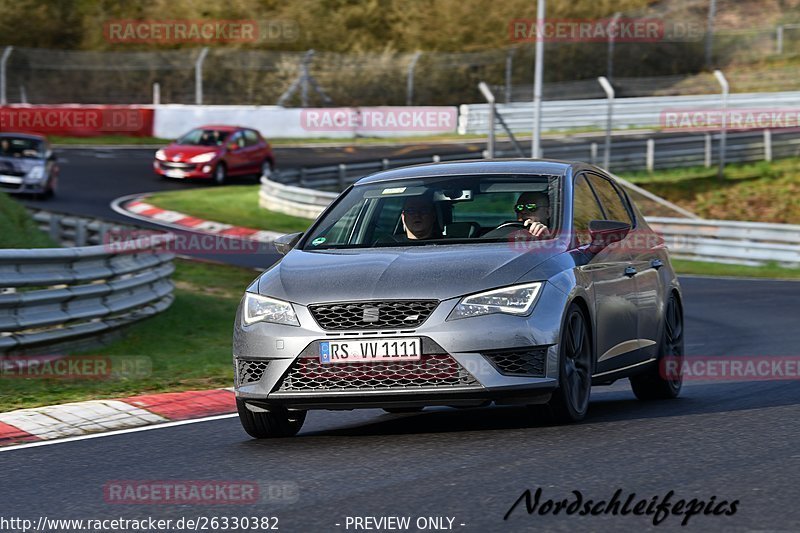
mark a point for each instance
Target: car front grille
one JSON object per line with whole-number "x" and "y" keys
{"x": 171, "y": 165}
{"x": 529, "y": 363}
{"x": 307, "y": 374}
{"x": 372, "y": 315}
{"x": 250, "y": 371}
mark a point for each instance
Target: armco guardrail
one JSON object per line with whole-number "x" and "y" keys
{"x": 726, "y": 241}
{"x": 627, "y": 154}
{"x": 637, "y": 112}
{"x": 61, "y": 296}
{"x": 71, "y": 230}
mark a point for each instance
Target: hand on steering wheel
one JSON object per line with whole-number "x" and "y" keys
{"x": 537, "y": 229}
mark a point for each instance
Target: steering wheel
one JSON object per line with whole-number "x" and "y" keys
{"x": 505, "y": 229}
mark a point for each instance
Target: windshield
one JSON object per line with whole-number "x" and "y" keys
{"x": 438, "y": 211}
{"x": 204, "y": 137}
{"x": 21, "y": 147}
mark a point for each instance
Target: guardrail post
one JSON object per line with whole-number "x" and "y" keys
{"x": 767, "y": 145}
{"x": 80, "y": 232}
{"x": 593, "y": 153}
{"x": 707, "y": 154}
{"x": 54, "y": 227}
{"x": 651, "y": 149}
{"x": 156, "y": 93}
{"x": 342, "y": 176}
{"x": 302, "y": 176}
{"x": 436, "y": 159}
{"x": 385, "y": 163}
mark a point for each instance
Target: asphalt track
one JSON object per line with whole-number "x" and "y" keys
{"x": 734, "y": 441}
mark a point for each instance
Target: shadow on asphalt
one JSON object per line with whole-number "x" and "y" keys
{"x": 605, "y": 407}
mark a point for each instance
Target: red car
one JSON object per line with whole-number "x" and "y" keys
{"x": 215, "y": 152}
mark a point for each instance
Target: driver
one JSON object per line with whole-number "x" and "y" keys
{"x": 533, "y": 209}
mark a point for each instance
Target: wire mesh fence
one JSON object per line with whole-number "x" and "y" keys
{"x": 253, "y": 77}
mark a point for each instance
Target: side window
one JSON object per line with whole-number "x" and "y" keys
{"x": 388, "y": 217}
{"x": 584, "y": 209}
{"x": 250, "y": 138}
{"x": 613, "y": 204}
{"x": 340, "y": 232}
{"x": 488, "y": 210}
{"x": 237, "y": 139}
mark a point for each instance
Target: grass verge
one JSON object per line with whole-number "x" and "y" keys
{"x": 188, "y": 346}
{"x": 760, "y": 192}
{"x": 232, "y": 204}
{"x": 701, "y": 268}
{"x": 17, "y": 228}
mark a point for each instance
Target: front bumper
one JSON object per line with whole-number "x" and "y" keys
{"x": 465, "y": 362}
{"x": 184, "y": 170}
{"x": 24, "y": 187}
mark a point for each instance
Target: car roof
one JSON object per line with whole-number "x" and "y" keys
{"x": 221, "y": 127}
{"x": 21, "y": 135}
{"x": 547, "y": 167}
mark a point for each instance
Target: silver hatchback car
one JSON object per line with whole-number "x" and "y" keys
{"x": 461, "y": 284}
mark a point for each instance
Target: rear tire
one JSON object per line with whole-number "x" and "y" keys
{"x": 570, "y": 401}
{"x": 660, "y": 382}
{"x": 279, "y": 422}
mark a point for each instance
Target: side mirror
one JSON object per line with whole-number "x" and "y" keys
{"x": 285, "y": 243}
{"x": 605, "y": 232}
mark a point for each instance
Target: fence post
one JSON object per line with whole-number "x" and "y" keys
{"x": 509, "y": 68}
{"x": 707, "y": 155}
{"x": 80, "y": 232}
{"x": 593, "y": 153}
{"x": 342, "y": 176}
{"x": 198, "y": 76}
{"x": 779, "y": 39}
{"x": 410, "y": 78}
{"x": 3, "y": 63}
{"x": 609, "y": 90}
{"x": 649, "y": 158}
{"x": 487, "y": 93}
{"x": 767, "y": 145}
{"x": 724, "y": 127}
{"x": 156, "y": 93}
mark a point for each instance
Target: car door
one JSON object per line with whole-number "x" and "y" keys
{"x": 610, "y": 270}
{"x": 254, "y": 151}
{"x": 236, "y": 157}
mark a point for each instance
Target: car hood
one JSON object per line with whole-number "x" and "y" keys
{"x": 186, "y": 151}
{"x": 18, "y": 164}
{"x": 429, "y": 272}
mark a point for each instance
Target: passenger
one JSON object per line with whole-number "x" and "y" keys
{"x": 533, "y": 209}
{"x": 419, "y": 218}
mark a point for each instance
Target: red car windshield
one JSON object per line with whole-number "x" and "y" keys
{"x": 204, "y": 137}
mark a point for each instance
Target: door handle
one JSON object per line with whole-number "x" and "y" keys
{"x": 656, "y": 263}
{"x": 630, "y": 271}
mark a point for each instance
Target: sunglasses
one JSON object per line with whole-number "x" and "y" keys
{"x": 519, "y": 208}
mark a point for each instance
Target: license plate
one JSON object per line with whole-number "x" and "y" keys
{"x": 173, "y": 173}
{"x": 10, "y": 179}
{"x": 366, "y": 350}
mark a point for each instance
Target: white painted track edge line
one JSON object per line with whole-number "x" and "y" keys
{"x": 163, "y": 425}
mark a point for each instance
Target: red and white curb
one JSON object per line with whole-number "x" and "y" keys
{"x": 99, "y": 416}
{"x": 135, "y": 206}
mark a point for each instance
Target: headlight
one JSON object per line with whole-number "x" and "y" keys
{"x": 35, "y": 174}
{"x": 161, "y": 156}
{"x": 516, "y": 300}
{"x": 259, "y": 308}
{"x": 203, "y": 158}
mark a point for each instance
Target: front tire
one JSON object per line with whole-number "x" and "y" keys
{"x": 662, "y": 381}
{"x": 220, "y": 174}
{"x": 278, "y": 422}
{"x": 570, "y": 401}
